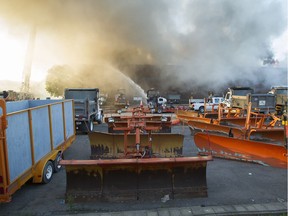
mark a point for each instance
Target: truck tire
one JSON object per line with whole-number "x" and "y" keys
{"x": 57, "y": 166}
{"x": 91, "y": 125}
{"x": 201, "y": 109}
{"x": 47, "y": 172}
{"x": 99, "y": 121}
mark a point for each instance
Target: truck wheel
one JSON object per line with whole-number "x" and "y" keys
{"x": 201, "y": 109}
{"x": 91, "y": 125}
{"x": 57, "y": 166}
{"x": 47, "y": 172}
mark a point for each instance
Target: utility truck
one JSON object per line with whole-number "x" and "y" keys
{"x": 191, "y": 101}
{"x": 33, "y": 136}
{"x": 86, "y": 107}
{"x": 209, "y": 104}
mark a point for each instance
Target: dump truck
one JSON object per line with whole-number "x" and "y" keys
{"x": 262, "y": 103}
{"x": 239, "y": 97}
{"x": 86, "y": 107}
{"x": 136, "y": 165}
{"x": 33, "y": 136}
{"x": 121, "y": 101}
{"x": 236, "y": 97}
{"x": 156, "y": 103}
{"x": 173, "y": 98}
{"x": 281, "y": 94}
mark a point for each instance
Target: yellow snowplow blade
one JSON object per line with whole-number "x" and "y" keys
{"x": 136, "y": 179}
{"x": 107, "y": 145}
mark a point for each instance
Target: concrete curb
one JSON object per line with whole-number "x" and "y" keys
{"x": 277, "y": 208}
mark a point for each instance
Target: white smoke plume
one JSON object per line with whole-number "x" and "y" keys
{"x": 207, "y": 42}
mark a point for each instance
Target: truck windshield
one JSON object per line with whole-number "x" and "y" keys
{"x": 218, "y": 100}
{"x": 282, "y": 91}
{"x": 78, "y": 95}
{"x": 242, "y": 92}
{"x": 152, "y": 93}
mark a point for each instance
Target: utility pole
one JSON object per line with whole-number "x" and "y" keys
{"x": 25, "y": 87}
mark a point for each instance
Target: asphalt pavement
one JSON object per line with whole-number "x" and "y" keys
{"x": 234, "y": 188}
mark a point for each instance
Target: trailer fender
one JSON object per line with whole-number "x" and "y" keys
{"x": 56, "y": 162}
{"x": 38, "y": 172}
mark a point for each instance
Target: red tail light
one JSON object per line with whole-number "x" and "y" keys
{"x": 1, "y": 179}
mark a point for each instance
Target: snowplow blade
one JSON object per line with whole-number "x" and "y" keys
{"x": 239, "y": 121}
{"x": 186, "y": 113}
{"x": 239, "y": 149}
{"x": 135, "y": 179}
{"x": 107, "y": 145}
{"x": 216, "y": 129}
{"x": 190, "y": 115}
{"x": 273, "y": 135}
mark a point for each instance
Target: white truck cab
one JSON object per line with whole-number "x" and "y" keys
{"x": 210, "y": 104}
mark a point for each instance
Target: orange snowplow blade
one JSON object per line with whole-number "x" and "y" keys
{"x": 136, "y": 179}
{"x": 239, "y": 149}
{"x": 191, "y": 118}
{"x": 188, "y": 115}
{"x": 239, "y": 121}
{"x": 273, "y": 135}
{"x": 107, "y": 145}
{"x": 215, "y": 128}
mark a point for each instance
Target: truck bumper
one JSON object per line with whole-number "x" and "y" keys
{"x": 81, "y": 125}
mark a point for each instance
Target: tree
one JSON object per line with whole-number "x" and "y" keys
{"x": 58, "y": 78}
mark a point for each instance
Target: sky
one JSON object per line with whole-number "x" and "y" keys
{"x": 210, "y": 38}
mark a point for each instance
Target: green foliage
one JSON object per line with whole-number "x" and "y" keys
{"x": 58, "y": 78}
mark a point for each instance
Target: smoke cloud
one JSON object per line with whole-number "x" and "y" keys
{"x": 204, "y": 42}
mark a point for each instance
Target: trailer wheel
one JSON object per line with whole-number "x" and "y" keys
{"x": 57, "y": 166}
{"x": 47, "y": 172}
